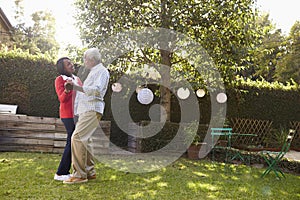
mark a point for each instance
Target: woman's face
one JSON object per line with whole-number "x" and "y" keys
{"x": 69, "y": 67}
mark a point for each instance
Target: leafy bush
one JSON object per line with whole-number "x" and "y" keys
{"x": 28, "y": 81}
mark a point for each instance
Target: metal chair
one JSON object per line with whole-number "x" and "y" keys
{"x": 273, "y": 158}
{"x": 223, "y": 144}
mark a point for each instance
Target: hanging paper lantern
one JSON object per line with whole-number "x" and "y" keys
{"x": 183, "y": 93}
{"x": 221, "y": 97}
{"x": 200, "y": 93}
{"x": 145, "y": 96}
{"x": 116, "y": 87}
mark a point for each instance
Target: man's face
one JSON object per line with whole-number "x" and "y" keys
{"x": 88, "y": 63}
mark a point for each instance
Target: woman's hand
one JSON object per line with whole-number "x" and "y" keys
{"x": 68, "y": 86}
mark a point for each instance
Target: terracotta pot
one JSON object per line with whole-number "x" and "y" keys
{"x": 193, "y": 151}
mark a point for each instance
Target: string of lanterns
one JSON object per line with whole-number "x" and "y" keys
{"x": 145, "y": 95}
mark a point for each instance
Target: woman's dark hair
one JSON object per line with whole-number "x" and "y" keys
{"x": 60, "y": 66}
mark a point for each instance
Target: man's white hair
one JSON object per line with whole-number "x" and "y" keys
{"x": 93, "y": 54}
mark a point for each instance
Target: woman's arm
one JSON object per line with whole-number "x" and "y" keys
{"x": 63, "y": 94}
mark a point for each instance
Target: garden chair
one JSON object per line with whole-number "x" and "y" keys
{"x": 230, "y": 153}
{"x": 221, "y": 144}
{"x": 273, "y": 158}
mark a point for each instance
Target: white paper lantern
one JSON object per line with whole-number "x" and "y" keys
{"x": 183, "y": 93}
{"x": 200, "y": 93}
{"x": 145, "y": 96}
{"x": 116, "y": 87}
{"x": 221, "y": 97}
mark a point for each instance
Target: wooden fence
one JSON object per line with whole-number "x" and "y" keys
{"x": 296, "y": 141}
{"x": 262, "y": 128}
{"x": 41, "y": 134}
{"x": 266, "y": 135}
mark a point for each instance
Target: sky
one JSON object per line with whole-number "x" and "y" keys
{"x": 62, "y": 10}
{"x": 283, "y": 13}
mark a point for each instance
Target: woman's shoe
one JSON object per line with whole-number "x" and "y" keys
{"x": 61, "y": 177}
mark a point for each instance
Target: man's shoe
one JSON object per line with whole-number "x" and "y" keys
{"x": 61, "y": 177}
{"x": 74, "y": 180}
{"x": 91, "y": 177}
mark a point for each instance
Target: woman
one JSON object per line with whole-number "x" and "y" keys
{"x": 66, "y": 98}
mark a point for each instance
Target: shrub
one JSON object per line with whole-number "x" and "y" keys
{"x": 28, "y": 81}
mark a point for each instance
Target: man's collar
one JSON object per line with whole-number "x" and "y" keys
{"x": 96, "y": 66}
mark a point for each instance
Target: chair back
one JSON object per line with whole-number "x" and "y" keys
{"x": 221, "y": 131}
{"x": 273, "y": 158}
{"x": 287, "y": 144}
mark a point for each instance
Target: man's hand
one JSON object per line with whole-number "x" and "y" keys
{"x": 68, "y": 85}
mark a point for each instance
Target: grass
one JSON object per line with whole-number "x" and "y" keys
{"x": 30, "y": 176}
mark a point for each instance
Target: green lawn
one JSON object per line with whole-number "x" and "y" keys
{"x": 30, "y": 176}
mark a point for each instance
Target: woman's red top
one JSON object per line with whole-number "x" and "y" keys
{"x": 66, "y": 108}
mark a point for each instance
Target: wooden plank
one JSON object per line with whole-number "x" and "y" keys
{"x": 25, "y": 118}
{"x": 59, "y": 144}
{"x": 27, "y": 134}
{"x": 39, "y": 134}
{"x": 44, "y": 120}
{"x": 60, "y": 127}
{"x": 26, "y": 148}
{"x": 26, "y": 126}
{"x": 25, "y": 141}
{"x": 60, "y": 136}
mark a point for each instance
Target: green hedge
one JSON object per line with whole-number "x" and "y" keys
{"x": 277, "y": 105}
{"x": 28, "y": 81}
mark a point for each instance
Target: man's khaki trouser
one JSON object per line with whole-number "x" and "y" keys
{"x": 82, "y": 158}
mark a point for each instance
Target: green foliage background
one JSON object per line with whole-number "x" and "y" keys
{"x": 28, "y": 81}
{"x": 280, "y": 106}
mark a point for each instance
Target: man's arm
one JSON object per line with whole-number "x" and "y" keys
{"x": 69, "y": 85}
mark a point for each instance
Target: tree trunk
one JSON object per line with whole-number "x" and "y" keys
{"x": 165, "y": 93}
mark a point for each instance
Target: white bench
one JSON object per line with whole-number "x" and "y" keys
{"x": 8, "y": 109}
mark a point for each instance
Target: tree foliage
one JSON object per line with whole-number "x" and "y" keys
{"x": 268, "y": 52}
{"x": 289, "y": 67}
{"x": 38, "y": 38}
{"x": 225, "y": 28}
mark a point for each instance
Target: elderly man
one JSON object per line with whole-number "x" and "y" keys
{"x": 90, "y": 99}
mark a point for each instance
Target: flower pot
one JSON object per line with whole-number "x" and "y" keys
{"x": 194, "y": 151}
